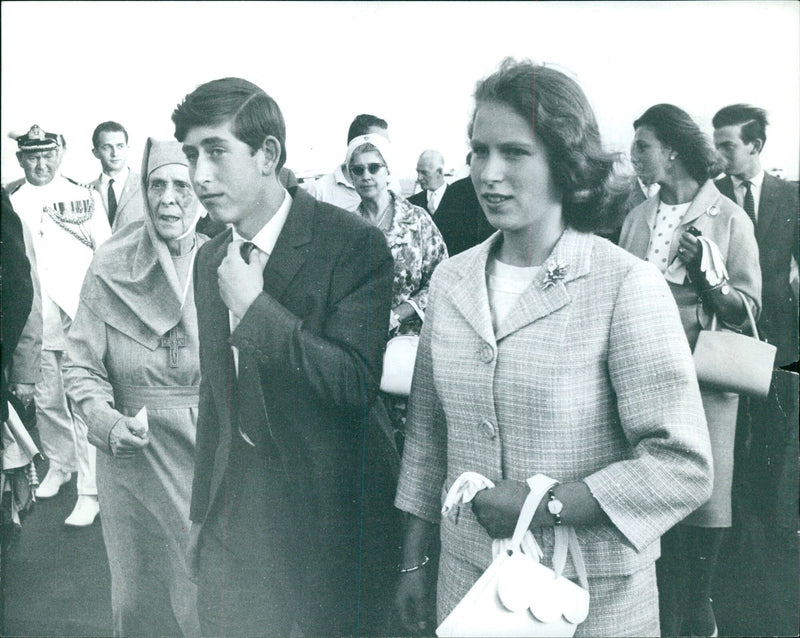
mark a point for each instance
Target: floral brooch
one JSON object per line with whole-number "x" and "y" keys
{"x": 554, "y": 272}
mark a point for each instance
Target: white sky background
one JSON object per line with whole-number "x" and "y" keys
{"x": 69, "y": 65}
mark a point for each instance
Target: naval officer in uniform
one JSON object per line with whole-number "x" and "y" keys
{"x": 67, "y": 223}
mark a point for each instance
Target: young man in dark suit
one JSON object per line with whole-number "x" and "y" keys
{"x": 765, "y": 466}
{"x": 293, "y": 307}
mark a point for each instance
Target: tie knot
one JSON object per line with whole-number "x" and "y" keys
{"x": 111, "y": 182}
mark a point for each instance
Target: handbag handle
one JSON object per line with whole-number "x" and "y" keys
{"x": 566, "y": 540}
{"x": 747, "y": 309}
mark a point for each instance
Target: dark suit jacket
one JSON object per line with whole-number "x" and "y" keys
{"x": 459, "y": 217}
{"x": 16, "y": 290}
{"x": 421, "y": 199}
{"x": 318, "y": 332}
{"x": 778, "y": 237}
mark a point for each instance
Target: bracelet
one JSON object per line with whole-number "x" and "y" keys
{"x": 554, "y": 506}
{"x": 413, "y": 568}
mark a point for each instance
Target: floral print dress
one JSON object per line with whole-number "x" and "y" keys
{"x": 417, "y": 248}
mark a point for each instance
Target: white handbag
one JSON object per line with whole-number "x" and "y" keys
{"x": 398, "y": 362}
{"x": 517, "y": 595}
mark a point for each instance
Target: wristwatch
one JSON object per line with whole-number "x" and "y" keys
{"x": 554, "y": 506}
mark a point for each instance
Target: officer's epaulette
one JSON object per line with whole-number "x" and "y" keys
{"x": 77, "y": 183}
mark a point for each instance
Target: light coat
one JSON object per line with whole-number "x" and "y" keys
{"x": 729, "y": 227}
{"x": 590, "y": 379}
{"x": 130, "y": 207}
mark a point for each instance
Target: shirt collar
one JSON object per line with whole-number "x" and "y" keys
{"x": 340, "y": 178}
{"x": 119, "y": 178}
{"x": 266, "y": 238}
{"x": 756, "y": 181}
{"x": 437, "y": 194}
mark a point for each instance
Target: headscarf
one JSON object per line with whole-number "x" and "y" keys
{"x": 378, "y": 141}
{"x": 132, "y": 283}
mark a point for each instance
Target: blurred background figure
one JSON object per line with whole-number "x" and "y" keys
{"x": 67, "y": 223}
{"x": 21, "y": 321}
{"x": 670, "y": 149}
{"x": 415, "y": 242}
{"x": 133, "y": 346}
{"x": 337, "y": 188}
{"x": 118, "y": 185}
{"x": 430, "y": 177}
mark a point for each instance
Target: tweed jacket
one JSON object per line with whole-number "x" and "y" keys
{"x": 317, "y": 333}
{"x": 130, "y": 207}
{"x": 724, "y": 223}
{"x": 589, "y": 377}
{"x": 778, "y": 237}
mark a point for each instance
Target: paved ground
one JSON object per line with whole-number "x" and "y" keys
{"x": 56, "y": 580}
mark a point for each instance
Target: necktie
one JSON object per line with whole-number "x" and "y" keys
{"x": 431, "y": 202}
{"x": 112, "y": 202}
{"x": 749, "y": 202}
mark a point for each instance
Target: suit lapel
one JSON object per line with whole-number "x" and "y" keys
{"x": 220, "y": 377}
{"x": 767, "y": 208}
{"x": 473, "y": 303}
{"x": 128, "y": 191}
{"x": 725, "y": 186}
{"x": 293, "y": 245}
{"x": 569, "y": 260}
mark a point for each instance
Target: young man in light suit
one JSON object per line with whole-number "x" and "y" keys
{"x": 119, "y": 186}
{"x": 293, "y": 308}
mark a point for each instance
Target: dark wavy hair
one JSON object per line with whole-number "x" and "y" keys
{"x": 255, "y": 114}
{"x": 753, "y": 119}
{"x": 363, "y": 123}
{"x": 107, "y": 127}
{"x": 675, "y": 129}
{"x": 565, "y": 122}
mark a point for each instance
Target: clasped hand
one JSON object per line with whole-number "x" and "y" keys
{"x": 498, "y": 508}
{"x": 239, "y": 282}
{"x": 127, "y": 437}
{"x": 689, "y": 249}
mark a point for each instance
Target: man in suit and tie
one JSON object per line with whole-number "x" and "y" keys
{"x": 455, "y": 207}
{"x": 767, "y": 428}
{"x": 118, "y": 185}
{"x": 430, "y": 175}
{"x": 293, "y": 308}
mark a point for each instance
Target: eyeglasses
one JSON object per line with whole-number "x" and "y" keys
{"x": 358, "y": 169}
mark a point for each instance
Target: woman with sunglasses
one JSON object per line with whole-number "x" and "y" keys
{"x": 415, "y": 241}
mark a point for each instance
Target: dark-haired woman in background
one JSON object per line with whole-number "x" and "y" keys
{"x": 548, "y": 350}
{"x": 671, "y": 150}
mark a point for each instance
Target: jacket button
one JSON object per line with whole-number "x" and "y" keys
{"x": 488, "y": 429}
{"x": 487, "y": 353}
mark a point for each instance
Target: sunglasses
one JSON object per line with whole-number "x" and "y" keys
{"x": 358, "y": 169}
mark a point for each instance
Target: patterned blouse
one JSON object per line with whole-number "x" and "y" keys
{"x": 417, "y": 248}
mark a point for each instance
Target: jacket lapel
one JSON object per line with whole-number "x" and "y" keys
{"x": 704, "y": 205}
{"x": 471, "y": 301}
{"x": 569, "y": 260}
{"x": 767, "y": 208}
{"x": 220, "y": 377}
{"x": 293, "y": 245}
{"x": 131, "y": 184}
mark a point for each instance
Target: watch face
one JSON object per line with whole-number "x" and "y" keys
{"x": 726, "y": 289}
{"x": 555, "y": 507}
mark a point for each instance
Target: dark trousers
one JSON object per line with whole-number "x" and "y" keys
{"x": 248, "y": 576}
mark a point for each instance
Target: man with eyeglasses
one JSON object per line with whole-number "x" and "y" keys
{"x": 67, "y": 224}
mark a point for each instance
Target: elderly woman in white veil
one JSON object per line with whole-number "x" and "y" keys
{"x": 134, "y": 377}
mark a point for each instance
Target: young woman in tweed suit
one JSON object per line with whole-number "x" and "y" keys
{"x": 549, "y": 350}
